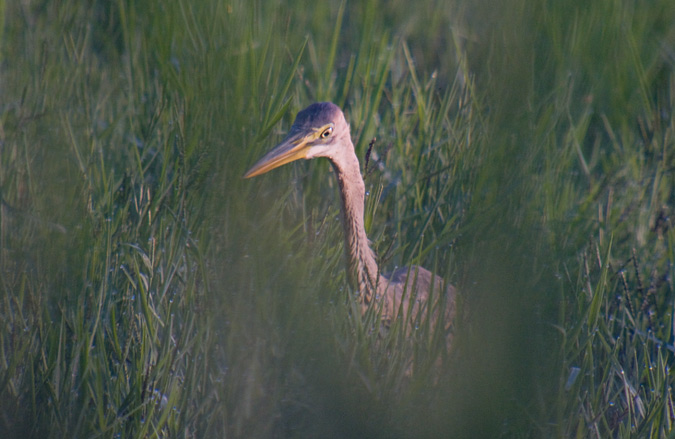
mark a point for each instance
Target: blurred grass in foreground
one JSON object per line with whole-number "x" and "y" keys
{"x": 524, "y": 151}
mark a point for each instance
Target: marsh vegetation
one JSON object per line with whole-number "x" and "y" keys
{"x": 525, "y": 151}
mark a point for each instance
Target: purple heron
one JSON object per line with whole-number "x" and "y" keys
{"x": 321, "y": 130}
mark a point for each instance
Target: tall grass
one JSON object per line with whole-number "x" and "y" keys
{"x": 523, "y": 151}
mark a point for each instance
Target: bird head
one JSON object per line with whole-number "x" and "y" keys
{"x": 319, "y": 130}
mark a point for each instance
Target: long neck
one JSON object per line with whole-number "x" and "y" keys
{"x": 362, "y": 268}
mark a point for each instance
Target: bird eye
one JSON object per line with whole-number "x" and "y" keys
{"x": 327, "y": 132}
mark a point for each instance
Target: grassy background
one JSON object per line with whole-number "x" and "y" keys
{"x": 525, "y": 151}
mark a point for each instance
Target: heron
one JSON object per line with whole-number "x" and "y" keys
{"x": 414, "y": 292}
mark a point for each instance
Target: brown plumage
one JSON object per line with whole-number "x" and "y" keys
{"x": 321, "y": 130}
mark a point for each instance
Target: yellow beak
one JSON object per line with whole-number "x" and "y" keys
{"x": 293, "y": 147}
